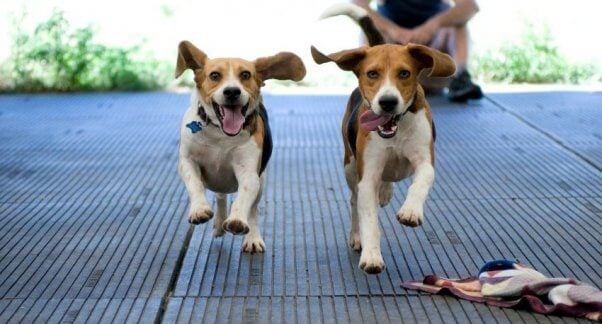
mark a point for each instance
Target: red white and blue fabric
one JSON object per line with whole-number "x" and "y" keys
{"x": 509, "y": 284}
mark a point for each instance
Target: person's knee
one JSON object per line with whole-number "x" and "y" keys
{"x": 441, "y": 40}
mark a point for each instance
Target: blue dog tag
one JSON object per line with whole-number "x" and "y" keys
{"x": 195, "y": 126}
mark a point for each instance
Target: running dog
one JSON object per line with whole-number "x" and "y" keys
{"x": 225, "y": 140}
{"x": 388, "y": 130}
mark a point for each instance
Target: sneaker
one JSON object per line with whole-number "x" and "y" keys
{"x": 461, "y": 88}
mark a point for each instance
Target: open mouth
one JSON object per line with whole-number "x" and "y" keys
{"x": 388, "y": 129}
{"x": 385, "y": 124}
{"x": 231, "y": 117}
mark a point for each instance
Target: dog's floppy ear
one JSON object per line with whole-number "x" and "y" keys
{"x": 346, "y": 60}
{"x": 282, "y": 66}
{"x": 189, "y": 57}
{"x": 441, "y": 65}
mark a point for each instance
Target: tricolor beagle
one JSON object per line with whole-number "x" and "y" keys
{"x": 225, "y": 140}
{"x": 388, "y": 131}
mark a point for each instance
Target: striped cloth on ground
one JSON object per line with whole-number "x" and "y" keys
{"x": 506, "y": 283}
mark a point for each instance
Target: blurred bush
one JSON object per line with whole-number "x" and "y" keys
{"x": 59, "y": 58}
{"x": 533, "y": 59}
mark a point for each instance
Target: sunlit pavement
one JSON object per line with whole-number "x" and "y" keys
{"x": 93, "y": 214}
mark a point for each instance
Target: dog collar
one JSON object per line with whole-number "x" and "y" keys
{"x": 195, "y": 126}
{"x": 412, "y": 106}
{"x": 204, "y": 118}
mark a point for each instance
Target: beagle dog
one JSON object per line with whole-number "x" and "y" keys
{"x": 388, "y": 130}
{"x": 225, "y": 140}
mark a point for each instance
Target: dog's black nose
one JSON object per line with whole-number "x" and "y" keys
{"x": 388, "y": 103}
{"x": 232, "y": 93}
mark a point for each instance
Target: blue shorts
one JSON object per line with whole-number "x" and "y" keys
{"x": 411, "y": 13}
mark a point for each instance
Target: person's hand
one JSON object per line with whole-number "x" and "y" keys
{"x": 397, "y": 35}
{"x": 424, "y": 33}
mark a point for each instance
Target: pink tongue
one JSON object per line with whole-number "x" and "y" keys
{"x": 370, "y": 121}
{"x": 233, "y": 120}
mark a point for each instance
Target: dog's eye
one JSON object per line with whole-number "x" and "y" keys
{"x": 404, "y": 74}
{"x": 372, "y": 74}
{"x": 245, "y": 75}
{"x": 214, "y": 76}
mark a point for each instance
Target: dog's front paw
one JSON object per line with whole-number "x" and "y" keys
{"x": 199, "y": 214}
{"x": 236, "y": 226}
{"x": 354, "y": 241}
{"x": 253, "y": 244}
{"x": 372, "y": 262}
{"x": 410, "y": 215}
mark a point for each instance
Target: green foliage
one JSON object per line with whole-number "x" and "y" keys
{"x": 57, "y": 57}
{"x": 534, "y": 59}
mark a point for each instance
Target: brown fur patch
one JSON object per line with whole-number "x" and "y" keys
{"x": 360, "y": 145}
{"x": 348, "y": 151}
{"x": 429, "y": 117}
{"x": 440, "y": 64}
{"x": 256, "y": 129}
{"x": 224, "y": 66}
{"x": 282, "y": 66}
{"x": 419, "y": 101}
{"x": 251, "y": 123}
{"x": 189, "y": 57}
{"x": 388, "y": 61}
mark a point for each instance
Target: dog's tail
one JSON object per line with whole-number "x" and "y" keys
{"x": 359, "y": 15}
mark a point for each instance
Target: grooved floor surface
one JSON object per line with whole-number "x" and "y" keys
{"x": 93, "y": 214}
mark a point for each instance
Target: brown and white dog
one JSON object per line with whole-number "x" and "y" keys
{"x": 388, "y": 130}
{"x": 225, "y": 140}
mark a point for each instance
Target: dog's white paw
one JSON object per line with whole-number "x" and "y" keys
{"x": 236, "y": 226}
{"x": 371, "y": 262}
{"x": 410, "y": 215}
{"x": 385, "y": 193}
{"x": 253, "y": 244}
{"x": 199, "y": 214}
{"x": 354, "y": 241}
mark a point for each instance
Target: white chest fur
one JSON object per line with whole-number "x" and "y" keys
{"x": 215, "y": 153}
{"x": 408, "y": 147}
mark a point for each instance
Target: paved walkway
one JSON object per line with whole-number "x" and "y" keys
{"x": 93, "y": 215}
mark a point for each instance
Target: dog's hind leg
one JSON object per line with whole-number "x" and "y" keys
{"x": 220, "y": 215}
{"x": 385, "y": 193}
{"x": 351, "y": 177}
{"x": 253, "y": 242}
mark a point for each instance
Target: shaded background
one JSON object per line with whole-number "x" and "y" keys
{"x": 250, "y": 29}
